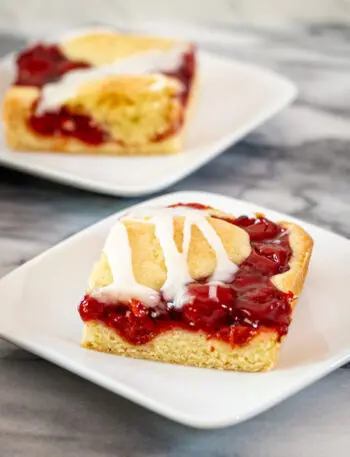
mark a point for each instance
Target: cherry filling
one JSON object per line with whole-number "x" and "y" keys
{"x": 43, "y": 63}
{"x": 185, "y": 73}
{"x": 65, "y": 124}
{"x": 234, "y": 313}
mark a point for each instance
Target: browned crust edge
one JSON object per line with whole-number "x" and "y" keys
{"x": 301, "y": 244}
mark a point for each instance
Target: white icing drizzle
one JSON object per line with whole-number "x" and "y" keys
{"x": 54, "y": 95}
{"x": 175, "y": 262}
{"x": 213, "y": 291}
{"x": 124, "y": 286}
{"x": 118, "y": 252}
{"x": 224, "y": 265}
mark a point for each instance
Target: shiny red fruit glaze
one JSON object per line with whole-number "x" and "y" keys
{"x": 238, "y": 311}
{"x": 45, "y": 63}
{"x": 191, "y": 205}
{"x": 64, "y": 124}
{"x": 258, "y": 228}
{"x": 185, "y": 73}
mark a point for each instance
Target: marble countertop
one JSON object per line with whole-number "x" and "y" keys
{"x": 298, "y": 163}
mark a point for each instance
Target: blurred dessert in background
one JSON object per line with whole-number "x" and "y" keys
{"x": 101, "y": 92}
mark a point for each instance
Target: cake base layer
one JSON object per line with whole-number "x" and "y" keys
{"x": 18, "y": 106}
{"x": 188, "y": 348}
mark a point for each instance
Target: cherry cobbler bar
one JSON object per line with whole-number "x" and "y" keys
{"x": 101, "y": 92}
{"x": 192, "y": 285}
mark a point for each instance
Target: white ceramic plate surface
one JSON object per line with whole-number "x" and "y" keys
{"x": 233, "y": 99}
{"x": 39, "y": 312}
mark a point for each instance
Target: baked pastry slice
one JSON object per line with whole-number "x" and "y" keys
{"x": 101, "y": 92}
{"x": 195, "y": 286}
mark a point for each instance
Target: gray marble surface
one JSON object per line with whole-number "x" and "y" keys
{"x": 31, "y": 15}
{"x": 298, "y": 163}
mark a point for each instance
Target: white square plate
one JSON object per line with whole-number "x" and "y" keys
{"x": 39, "y": 312}
{"x": 233, "y": 99}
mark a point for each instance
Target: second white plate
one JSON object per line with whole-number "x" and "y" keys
{"x": 233, "y": 99}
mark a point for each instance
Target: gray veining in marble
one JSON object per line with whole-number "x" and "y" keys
{"x": 298, "y": 163}
{"x": 230, "y": 12}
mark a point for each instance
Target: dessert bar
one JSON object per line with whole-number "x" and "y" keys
{"x": 101, "y": 92}
{"x": 192, "y": 285}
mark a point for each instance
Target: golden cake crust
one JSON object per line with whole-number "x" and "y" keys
{"x": 148, "y": 259}
{"x": 194, "y": 348}
{"x": 301, "y": 244}
{"x": 188, "y": 348}
{"x": 99, "y": 48}
{"x": 131, "y": 112}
